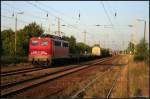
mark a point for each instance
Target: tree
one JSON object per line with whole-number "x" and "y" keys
{"x": 7, "y": 37}
{"x": 72, "y": 43}
{"x": 142, "y": 52}
{"x": 131, "y": 47}
{"x": 96, "y": 45}
{"x": 24, "y": 35}
{"x": 76, "y": 48}
{"x": 81, "y": 48}
{"x": 33, "y": 29}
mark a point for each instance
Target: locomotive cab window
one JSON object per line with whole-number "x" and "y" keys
{"x": 65, "y": 44}
{"x": 57, "y": 43}
{"x": 34, "y": 42}
{"x": 44, "y": 43}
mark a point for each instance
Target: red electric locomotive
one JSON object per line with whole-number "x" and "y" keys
{"x": 46, "y": 48}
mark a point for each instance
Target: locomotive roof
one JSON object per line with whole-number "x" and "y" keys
{"x": 54, "y": 37}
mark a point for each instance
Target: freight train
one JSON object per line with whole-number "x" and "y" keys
{"x": 48, "y": 48}
{"x": 98, "y": 51}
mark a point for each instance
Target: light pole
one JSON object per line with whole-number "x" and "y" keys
{"x": 144, "y": 26}
{"x": 16, "y": 30}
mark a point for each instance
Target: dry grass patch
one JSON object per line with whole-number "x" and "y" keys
{"x": 101, "y": 87}
{"x": 77, "y": 85}
{"x": 139, "y": 79}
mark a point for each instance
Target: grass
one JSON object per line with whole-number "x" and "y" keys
{"x": 139, "y": 78}
{"x": 100, "y": 88}
{"x": 138, "y": 82}
{"x": 138, "y": 58}
{"x": 77, "y": 85}
{"x": 141, "y": 58}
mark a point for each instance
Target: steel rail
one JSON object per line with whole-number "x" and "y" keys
{"x": 114, "y": 83}
{"x": 6, "y": 85}
{"x": 90, "y": 83}
{"x": 21, "y": 71}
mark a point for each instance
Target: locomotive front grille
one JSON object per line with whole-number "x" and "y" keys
{"x": 39, "y": 58}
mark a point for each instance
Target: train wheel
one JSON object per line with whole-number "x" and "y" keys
{"x": 48, "y": 63}
{"x": 33, "y": 62}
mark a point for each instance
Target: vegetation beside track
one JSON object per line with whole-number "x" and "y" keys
{"x": 134, "y": 80}
{"x": 22, "y": 47}
{"x": 140, "y": 51}
{"x": 87, "y": 78}
{"x": 138, "y": 78}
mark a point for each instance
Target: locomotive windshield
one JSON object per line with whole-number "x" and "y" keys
{"x": 34, "y": 42}
{"x": 65, "y": 44}
{"x": 44, "y": 43}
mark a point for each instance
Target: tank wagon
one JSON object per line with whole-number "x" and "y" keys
{"x": 49, "y": 49}
{"x": 96, "y": 51}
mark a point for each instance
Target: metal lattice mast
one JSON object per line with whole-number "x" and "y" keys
{"x": 58, "y": 26}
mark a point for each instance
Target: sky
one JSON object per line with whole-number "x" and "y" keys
{"x": 114, "y": 18}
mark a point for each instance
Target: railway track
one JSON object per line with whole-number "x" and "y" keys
{"x": 20, "y": 71}
{"x": 78, "y": 93}
{"x": 25, "y": 70}
{"x": 117, "y": 75}
{"x": 6, "y": 85}
{"x": 17, "y": 87}
{"x": 25, "y": 76}
{"x": 114, "y": 83}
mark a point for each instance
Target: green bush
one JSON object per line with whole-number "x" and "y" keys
{"x": 138, "y": 58}
{"x": 142, "y": 51}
